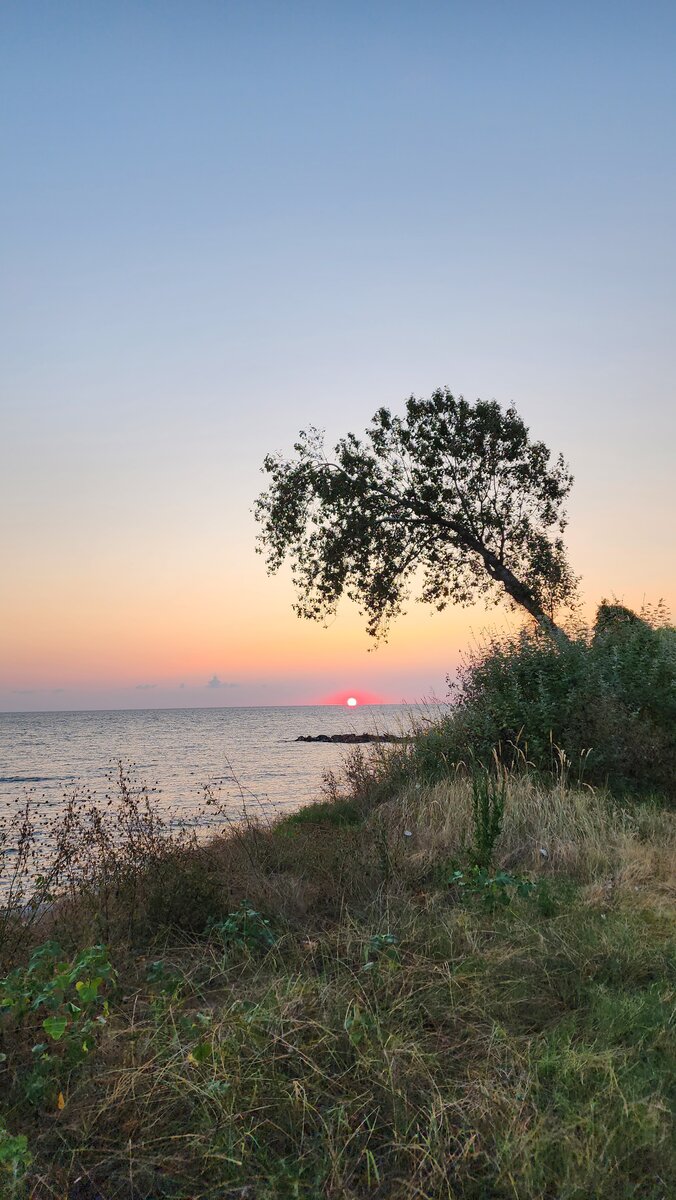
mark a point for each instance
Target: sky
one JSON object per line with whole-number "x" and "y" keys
{"x": 222, "y": 222}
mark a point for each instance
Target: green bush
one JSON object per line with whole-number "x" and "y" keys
{"x": 328, "y": 812}
{"x": 63, "y": 1003}
{"x": 245, "y": 929}
{"x": 14, "y": 1163}
{"x": 599, "y": 708}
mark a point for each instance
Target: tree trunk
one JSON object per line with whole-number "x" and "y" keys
{"x": 424, "y": 514}
{"x": 518, "y": 591}
{"x": 522, "y": 595}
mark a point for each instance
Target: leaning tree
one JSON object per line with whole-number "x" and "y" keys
{"x": 453, "y": 495}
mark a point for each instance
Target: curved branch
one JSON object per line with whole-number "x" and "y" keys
{"x": 424, "y": 515}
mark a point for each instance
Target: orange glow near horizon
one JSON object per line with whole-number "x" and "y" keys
{"x": 354, "y": 699}
{"x": 99, "y": 631}
{"x": 154, "y": 640}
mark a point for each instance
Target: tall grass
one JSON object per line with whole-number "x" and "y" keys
{"x": 119, "y": 864}
{"x": 336, "y": 1019}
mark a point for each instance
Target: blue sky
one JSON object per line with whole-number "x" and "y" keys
{"x": 220, "y": 222}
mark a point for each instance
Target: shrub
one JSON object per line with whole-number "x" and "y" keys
{"x": 245, "y": 929}
{"x": 600, "y": 707}
{"x": 64, "y": 1004}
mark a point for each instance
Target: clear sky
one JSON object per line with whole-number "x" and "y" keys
{"x": 220, "y": 222}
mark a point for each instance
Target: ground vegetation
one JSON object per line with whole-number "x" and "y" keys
{"x": 455, "y": 986}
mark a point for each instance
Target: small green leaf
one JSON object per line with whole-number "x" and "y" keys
{"x": 202, "y": 1052}
{"x": 55, "y": 1027}
{"x": 88, "y": 989}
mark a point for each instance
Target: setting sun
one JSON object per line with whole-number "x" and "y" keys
{"x": 351, "y": 701}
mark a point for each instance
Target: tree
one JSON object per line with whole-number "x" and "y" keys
{"x": 454, "y": 495}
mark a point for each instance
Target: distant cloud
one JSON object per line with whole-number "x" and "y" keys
{"x": 215, "y": 682}
{"x": 144, "y": 687}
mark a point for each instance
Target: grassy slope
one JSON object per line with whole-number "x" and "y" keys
{"x": 521, "y": 1052}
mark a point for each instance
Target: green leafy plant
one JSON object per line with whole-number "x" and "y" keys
{"x": 162, "y": 978}
{"x": 494, "y": 891}
{"x": 243, "y": 929}
{"x": 488, "y": 809}
{"x": 197, "y": 1028}
{"x": 15, "y": 1160}
{"x": 381, "y": 950}
{"x": 65, "y": 999}
{"x": 358, "y": 1025}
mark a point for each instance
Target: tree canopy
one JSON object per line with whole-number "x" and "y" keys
{"x": 453, "y": 496}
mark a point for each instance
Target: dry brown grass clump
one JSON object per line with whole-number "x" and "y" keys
{"x": 546, "y": 831}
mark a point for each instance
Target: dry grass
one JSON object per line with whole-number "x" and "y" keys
{"x": 581, "y": 832}
{"x": 393, "y": 1039}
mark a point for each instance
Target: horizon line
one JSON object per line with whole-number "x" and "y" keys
{"x": 35, "y": 712}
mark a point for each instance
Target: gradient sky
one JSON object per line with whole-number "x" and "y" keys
{"x": 220, "y": 222}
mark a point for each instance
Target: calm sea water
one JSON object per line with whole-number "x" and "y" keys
{"x": 236, "y": 751}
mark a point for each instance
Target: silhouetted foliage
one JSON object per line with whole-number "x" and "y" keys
{"x": 454, "y": 491}
{"x": 600, "y": 706}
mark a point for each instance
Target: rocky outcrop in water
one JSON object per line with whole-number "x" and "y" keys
{"x": 352, "y": 739}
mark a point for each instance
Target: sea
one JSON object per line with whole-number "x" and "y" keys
{"x": 247, "y": 757}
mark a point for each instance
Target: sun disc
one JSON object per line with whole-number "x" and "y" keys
{"x": 351, "y": 701}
